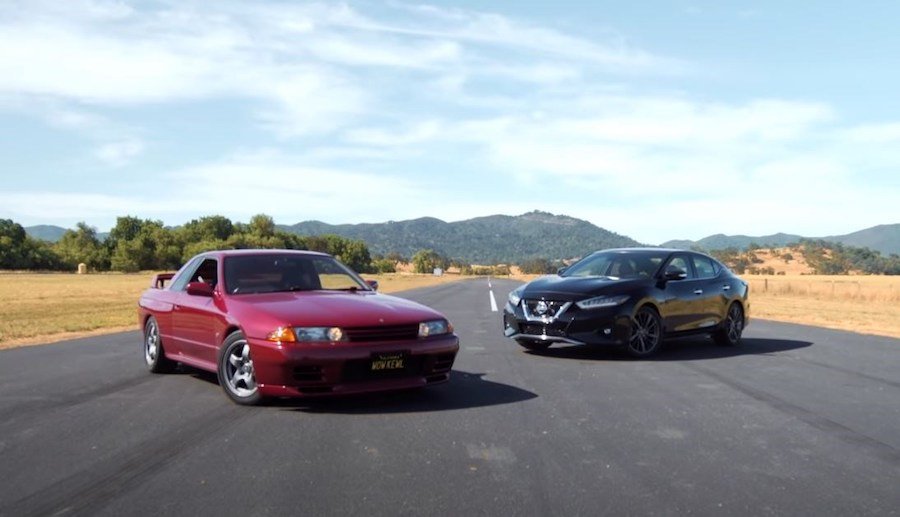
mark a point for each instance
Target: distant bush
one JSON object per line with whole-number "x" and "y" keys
{"x": 384, "y": 266}
{"x": 536, "y": 266}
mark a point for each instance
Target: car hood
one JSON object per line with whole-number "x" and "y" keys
{"x": 557, "y": 287}
{"x": 329, "y": 308}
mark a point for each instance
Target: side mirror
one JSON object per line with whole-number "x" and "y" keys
{"x": 561, "y": 270}
{"x": 373, "y": 284}
{"x": 674, "y": 273}
{"x": 199, "y": 289}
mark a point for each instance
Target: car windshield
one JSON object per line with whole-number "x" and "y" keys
{"x": 281, "y": 272}
{"x": 618, "y": 264}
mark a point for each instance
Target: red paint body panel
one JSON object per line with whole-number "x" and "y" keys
{"x": 193, "y": 327}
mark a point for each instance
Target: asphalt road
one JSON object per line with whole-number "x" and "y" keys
{"x": 796, "y": 421}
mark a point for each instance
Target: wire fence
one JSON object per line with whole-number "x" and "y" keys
{"x": 868, "y": 288}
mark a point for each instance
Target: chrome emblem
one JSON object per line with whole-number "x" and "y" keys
{"x": 541, "y": 308}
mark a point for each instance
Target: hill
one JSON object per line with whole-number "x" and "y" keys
{"x": 884, "y": 238}
{"x": 45, "y": 232}
{"x": 482, "y": 240}
{"x": 51, "y": 233}
{"x": 810, "y": 257}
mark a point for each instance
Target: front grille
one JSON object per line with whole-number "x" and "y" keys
{"x": 544, "y": 310}
{"x": 382, "y": 333}
{"x": 540, "y": 330}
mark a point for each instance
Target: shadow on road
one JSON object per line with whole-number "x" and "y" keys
{"x": 680, "y": 349}
{"x": 465, "y": 390}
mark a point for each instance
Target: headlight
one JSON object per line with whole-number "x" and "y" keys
{"x": 599, "y": 302}
{"x": 515, "y": 296}
{"x": 319, "y": 334}
{"x": 434, "y": 328}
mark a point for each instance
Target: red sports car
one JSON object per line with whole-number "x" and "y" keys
{"x": 291, "y": 324}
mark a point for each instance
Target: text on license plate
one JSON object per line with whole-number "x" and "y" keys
{"x": 388, "y": 362}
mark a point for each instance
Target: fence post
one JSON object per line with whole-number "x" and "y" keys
{"x": 765, "y": 285}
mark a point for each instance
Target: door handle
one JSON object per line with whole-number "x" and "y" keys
{"x": 698, "y": 291}
{"x": 726, "y": 287}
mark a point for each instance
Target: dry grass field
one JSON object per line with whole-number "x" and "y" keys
{"x": 868, "y": 304}
{"x": 39, "y": 308}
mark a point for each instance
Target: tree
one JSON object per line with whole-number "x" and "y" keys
{"x": 12, "y": 240}
{"x": 81, "y": 245}
{"x": 212, "y": 227}
{"x": 262, "y": 225}
{"x": 126, "y": 229}
{"x": 426, "y": 261}
{"x": 136, "y": 245}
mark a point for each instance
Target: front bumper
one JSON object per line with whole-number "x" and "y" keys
{"x": 305, "y": 370}
{"x": 604, "y": 326}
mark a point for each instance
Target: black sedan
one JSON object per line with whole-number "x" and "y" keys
{"x": 631, "y": 298}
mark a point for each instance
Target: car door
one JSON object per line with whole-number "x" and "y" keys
{"x": 171, "y": 339}
{"x": 683, "y": 298}
{"x": 196, "y": 318}
{"x": 711, "y": 304}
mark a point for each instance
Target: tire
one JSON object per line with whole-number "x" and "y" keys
{"x": 729, "y": 334}
{"x": 154, "y": 353}
{"x": 646, "y": 333}
{"x": 235, "y": 369}
{"x": 533, "y": 346}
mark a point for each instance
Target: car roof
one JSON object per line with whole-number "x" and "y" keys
{"x": 260, "y": 251}
{"x": 659, "y": 250}
{"x": 629, "y": 250}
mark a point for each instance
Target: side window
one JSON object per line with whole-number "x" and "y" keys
{"x": 184, "y": 275}
{"x": 704, "y": 266}
{"x": 623, "y": 268}
{"x": 681, "y": 262}
{"x": 207, "y": 272}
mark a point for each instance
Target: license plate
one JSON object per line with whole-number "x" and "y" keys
{"x": 388, "y": 362}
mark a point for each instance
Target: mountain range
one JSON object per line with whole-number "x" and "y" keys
{"x": 513, "y": 239}
{"x": 483, "y": 240}
{"x": 884, "y": 238}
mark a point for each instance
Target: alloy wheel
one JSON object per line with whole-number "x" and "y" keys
{"x": 239, "y": 373}
{"x": 645, "y": 333}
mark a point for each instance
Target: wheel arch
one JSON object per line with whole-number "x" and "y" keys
{"x": 742, "y": 305}
{"x": 650, "y": 303}
{"x": 229, "y": 330}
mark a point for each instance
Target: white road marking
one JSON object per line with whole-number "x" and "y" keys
{"x": 493, "y": 301}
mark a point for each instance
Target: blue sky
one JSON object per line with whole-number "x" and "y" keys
{"x": 656, "y": 120}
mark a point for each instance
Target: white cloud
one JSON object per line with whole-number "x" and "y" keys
{"x": 873, "y": 133}
{"x": 417, "y": 133}
{"x": 117, "y": 154}
{"x": 307, "y": 63}
{"x": 67, "y": 208}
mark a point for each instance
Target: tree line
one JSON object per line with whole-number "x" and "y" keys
{"x": 136, "y": 244}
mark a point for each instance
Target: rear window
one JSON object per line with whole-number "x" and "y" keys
{"x": 705, "y": 267}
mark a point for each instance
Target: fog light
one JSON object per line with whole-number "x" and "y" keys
{"x": 607, "y": 331}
